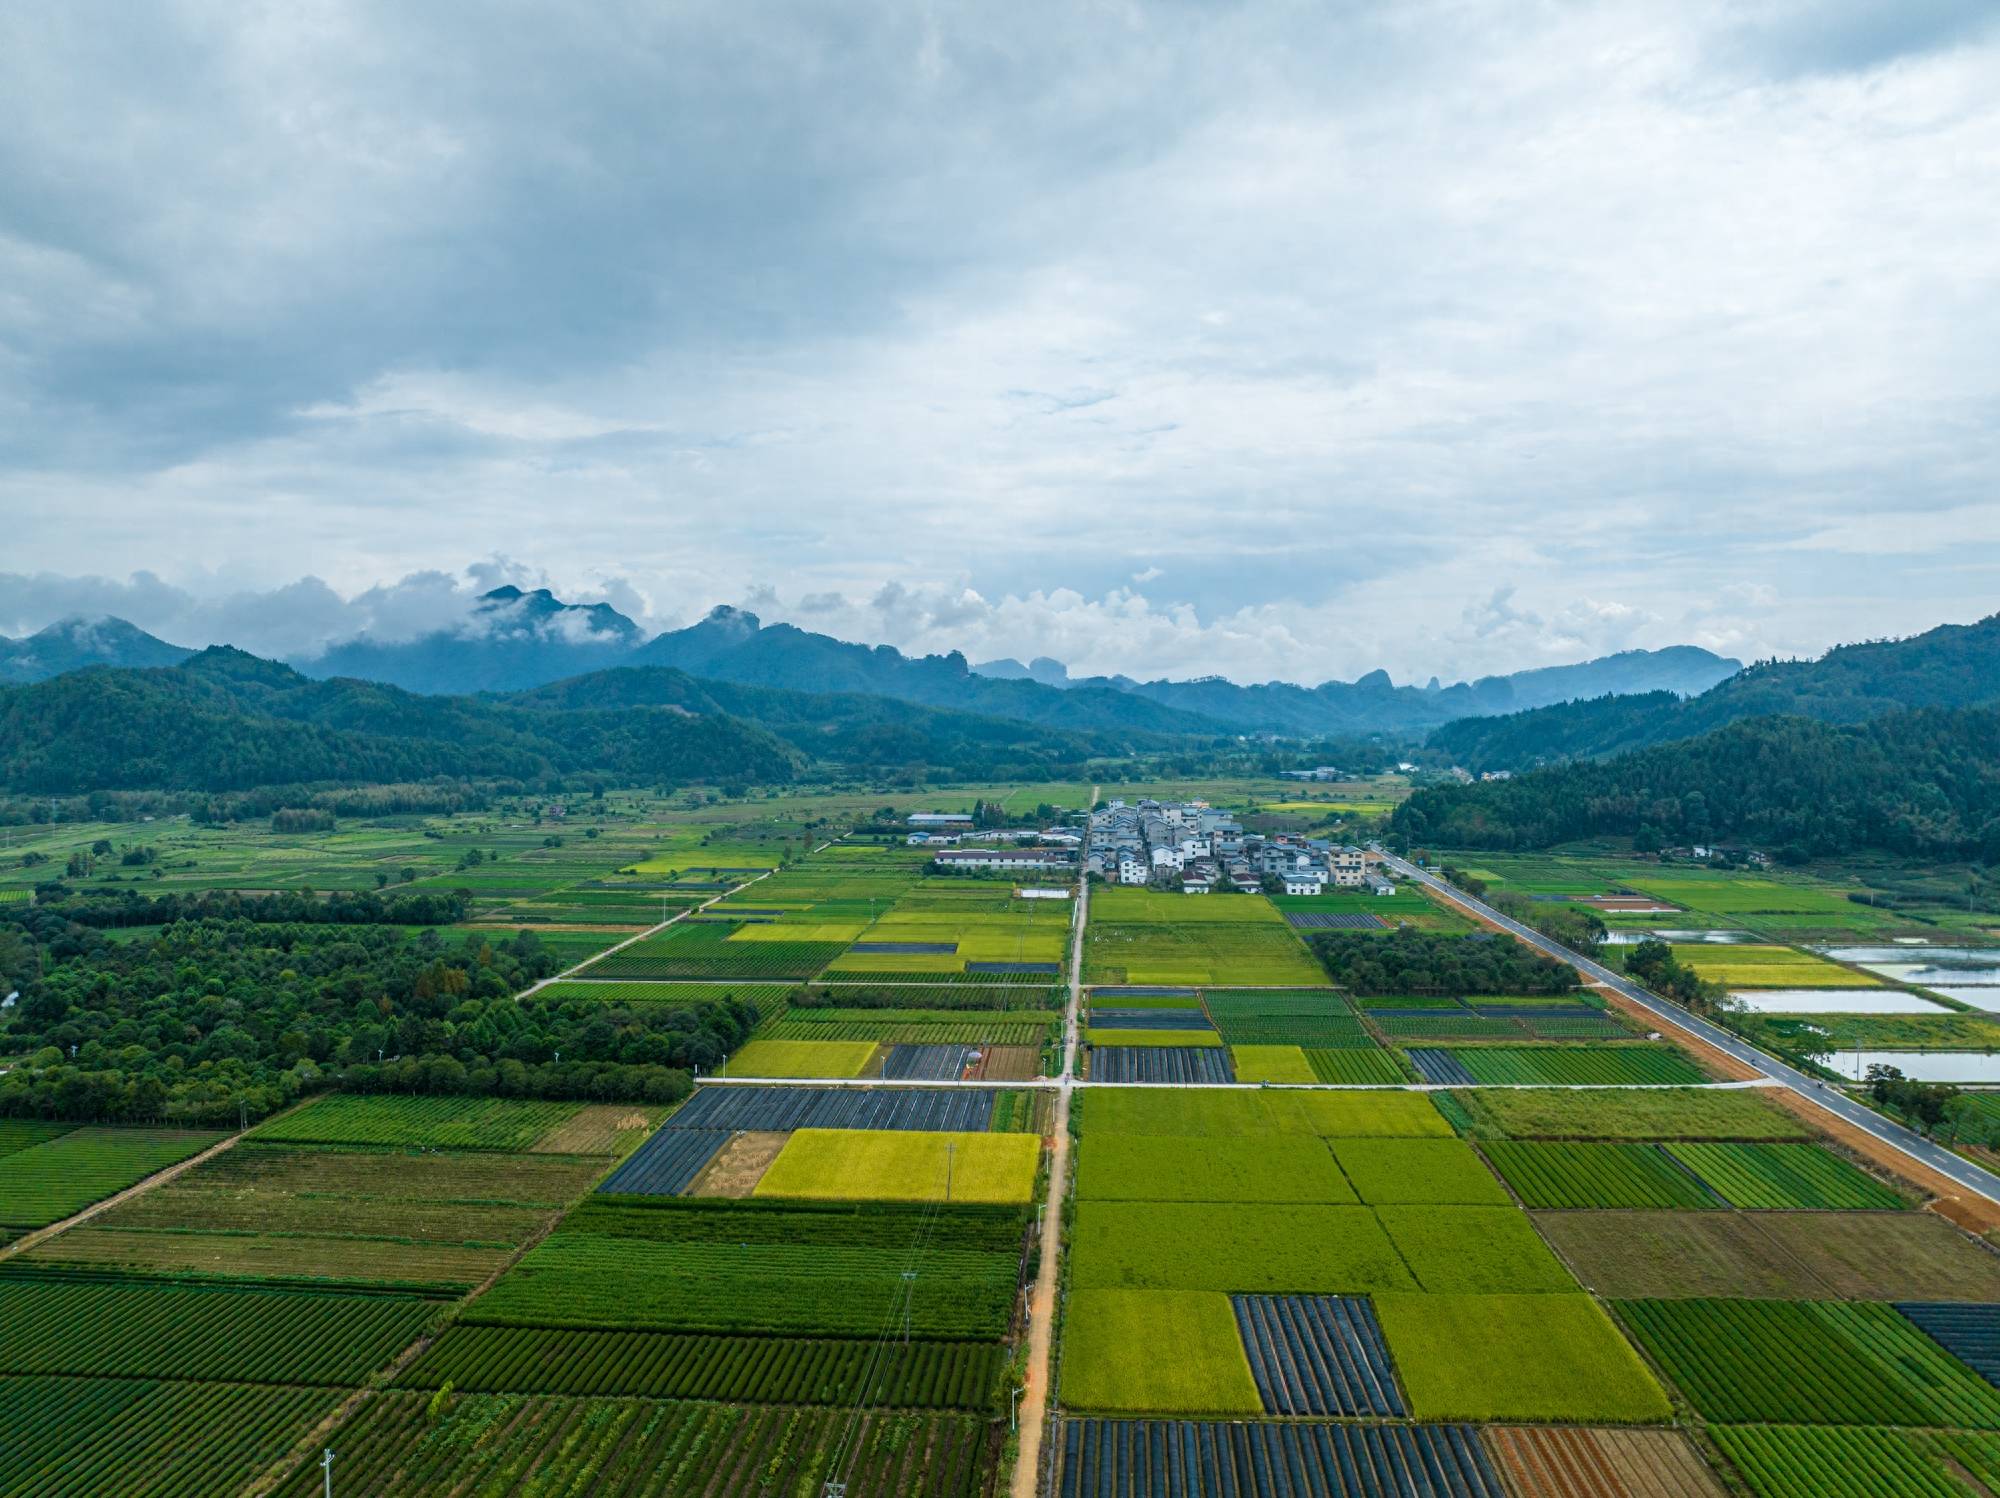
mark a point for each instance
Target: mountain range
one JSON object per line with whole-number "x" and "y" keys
{"x": 515, "y": 640}
{"x": 1952, "y": 666}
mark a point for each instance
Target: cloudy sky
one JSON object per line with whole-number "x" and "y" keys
{"x": 1263, "y": 338}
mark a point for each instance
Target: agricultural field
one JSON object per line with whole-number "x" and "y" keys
{"x": 638, "y": 1448}
{"x": 49, "y": 1172}
{"x": 426, "y": 1219}
{"x": 903, "y": 1165}
{"x": 1138, "y": 936}
{"x": 433, "y": 1122}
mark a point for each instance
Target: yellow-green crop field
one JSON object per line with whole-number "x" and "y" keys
{"x": 903, "y": 1165}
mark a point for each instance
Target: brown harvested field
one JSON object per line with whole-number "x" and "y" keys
{"x": 1772, "y": 1255}
{"x": 1667, "y": 1255}
{"x": 1887, "y": 1255}
{"x": 599, "y": 1129}
{"x": 468, "y": 1196}
{"x": 264, "y": 1256}
{"x": 1581, "y": 1463}
{"x": 739, "y": 1165}
{"x": 1010, "y": 1063}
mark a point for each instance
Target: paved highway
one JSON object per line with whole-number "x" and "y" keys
{"x": 1980, "y": 1182}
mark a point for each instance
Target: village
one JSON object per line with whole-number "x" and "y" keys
{"x": 1188, "y": 846}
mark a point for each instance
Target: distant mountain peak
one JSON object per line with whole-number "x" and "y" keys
{"x": 81, "y": 640}
{"x": 511, "y": 611}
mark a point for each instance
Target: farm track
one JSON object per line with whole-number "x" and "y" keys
{"x": 159, "y": 1178}
{"x": 569, "y": 974}
{"x": 1034, "y": 1411}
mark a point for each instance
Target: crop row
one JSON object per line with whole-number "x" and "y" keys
{"x": 415, "y": 1443}
{"x": 45, "y": 1181}
{"x": 858, "y": 1026}
{"x": 1806, "y": 1461}
{"x": 1565, "y": 1174}
{"x": 1206, "y": 1459}
{"x": 956, "y": 1110}
{"x": 1785, "y": 1176}
{"x": 138, "y": 1438}
{"x": 433, "y": 1122}
{"x": 664, "y": 1365}
{"x": 1809, "y": 1363}
{"x": 153, "y": 1329}
{"x": 1558, "y": 1065}
{"x": 1354, "y": 1066}
{"x": 720, "y": 960}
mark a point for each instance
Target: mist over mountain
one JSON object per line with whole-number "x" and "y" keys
{"x": 69, "y": 644}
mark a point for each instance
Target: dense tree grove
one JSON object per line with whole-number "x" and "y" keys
{"x": 212, "y": 1017}
{"x": 1426, "y": 962}
{"x": 1923, "y": 783}
{"x": 1652, "y": 962}
{"x": 291, "y": 907}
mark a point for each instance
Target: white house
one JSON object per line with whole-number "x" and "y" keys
{"x": 1005, "y": 858}
{"x": 1309, "y": 882}
{"x": 1131, "y": 871}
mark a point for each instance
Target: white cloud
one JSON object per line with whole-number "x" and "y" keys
{"x": 1159, "y": 340}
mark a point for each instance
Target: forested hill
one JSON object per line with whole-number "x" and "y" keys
{"x": 225, "y": 721}
{"x": 1954, "y": 665}
{"x": 1925, "y": 782}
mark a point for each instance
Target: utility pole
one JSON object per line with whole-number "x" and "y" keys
{"x": 950, "y": 1149}
{"x": 326, "y": 1468}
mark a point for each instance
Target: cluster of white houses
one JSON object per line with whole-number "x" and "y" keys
{"x": 1196, "y": 847}
{"x": 1024, "y": 849}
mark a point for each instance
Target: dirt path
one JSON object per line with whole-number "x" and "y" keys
{"x": 675, "y": 918}
{"x": 1034, "y": 1412}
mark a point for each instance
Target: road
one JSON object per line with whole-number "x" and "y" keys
{"x": 1034, "y": 1411}
{"x": 1982, "y": 1183}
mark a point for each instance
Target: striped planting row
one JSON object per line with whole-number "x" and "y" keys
{"x": 954, "y": 1110}
{"x": 1211, "y": 1459}
{"x": 667, "y": 1163}
{"x": 1163, "y": 1063}
{"x": 1317, "y": 1355}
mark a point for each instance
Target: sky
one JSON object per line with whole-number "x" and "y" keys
{"x": 1263, "y": 339}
